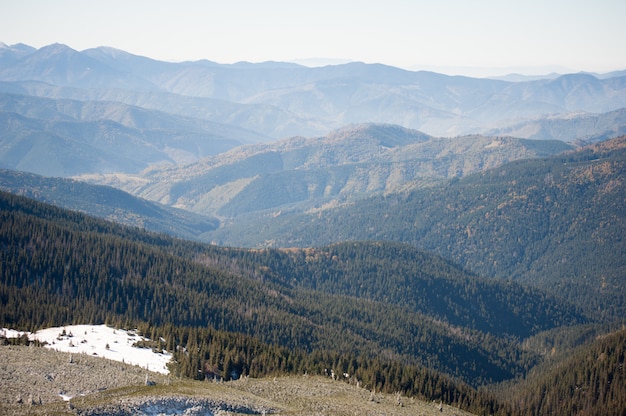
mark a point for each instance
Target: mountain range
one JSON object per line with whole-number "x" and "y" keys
{"x": 453, "y": 238}
{"x": 70, "y": 137}
{"x": 280, "y": 100}
{"x": 102, "y": 111}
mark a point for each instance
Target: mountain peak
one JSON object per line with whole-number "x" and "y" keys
{"x": 14, "y": 52}
{"x": 56, "y": 48}
{"x": 112, "y": 54}
{"x": 388, "y": 135}
{"x": 52, "y": 53}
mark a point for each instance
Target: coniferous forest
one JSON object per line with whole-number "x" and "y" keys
{"x": 441, "y": 333}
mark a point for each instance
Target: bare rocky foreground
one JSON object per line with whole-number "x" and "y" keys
{"x": 36, "y": 380}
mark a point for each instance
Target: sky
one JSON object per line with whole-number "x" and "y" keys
{"x": 477, "y": 37}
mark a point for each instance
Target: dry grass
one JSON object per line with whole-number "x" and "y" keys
{"x": 308, "y": 395}
{"x": 37, "y": 376}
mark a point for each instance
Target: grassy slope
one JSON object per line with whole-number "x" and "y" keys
{"x": 40, "y": 373}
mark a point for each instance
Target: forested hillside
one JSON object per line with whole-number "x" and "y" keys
{"x": 261, "y": 312}
{"x": 61, "y": 267}
{"x": 556, "y": 223}
{"x": 402, "y": 275}
{"x": 591, "y": 381}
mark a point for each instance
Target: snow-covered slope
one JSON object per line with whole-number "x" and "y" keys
{"x": 101, "y": 341}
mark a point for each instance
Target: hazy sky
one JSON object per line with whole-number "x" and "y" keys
{"x": 533, "y": 36}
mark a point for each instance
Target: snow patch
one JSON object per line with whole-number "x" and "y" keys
{"x": 12, "y": 333}
{"x": 101, "y": 341}
{"x": 65, "y": 397}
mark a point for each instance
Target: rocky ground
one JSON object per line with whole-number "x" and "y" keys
{"x": 39, "y": 381}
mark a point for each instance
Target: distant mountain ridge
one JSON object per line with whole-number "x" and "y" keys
{"x": 282, "y": 99}
{"x": 576, "y": 127}
{"x": 59, "y": 64}
{"x": 103, "y": 136}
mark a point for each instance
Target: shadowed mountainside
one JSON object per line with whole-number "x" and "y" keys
{"x": 108, "y": 203}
